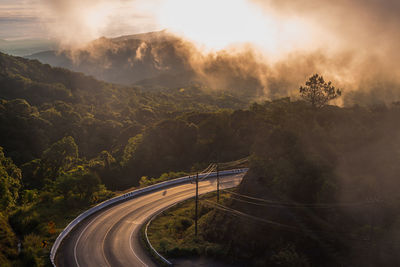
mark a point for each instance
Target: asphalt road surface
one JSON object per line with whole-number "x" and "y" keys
{"x": 111, "y": 237}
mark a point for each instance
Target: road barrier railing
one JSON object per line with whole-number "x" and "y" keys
{"x": 125, "y": 197}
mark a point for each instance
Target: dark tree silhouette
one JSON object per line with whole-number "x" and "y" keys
{"x": 318, "y": 92}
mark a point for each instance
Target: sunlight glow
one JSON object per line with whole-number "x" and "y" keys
{"x": 211, "y": 24}
{"x": 218, "y": 24}
{"x": 96, "y": 18}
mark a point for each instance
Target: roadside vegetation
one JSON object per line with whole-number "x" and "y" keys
{"x": 69, "y": 141}
{"x": 322, "y": 190}
{"x": 172, "y": 232}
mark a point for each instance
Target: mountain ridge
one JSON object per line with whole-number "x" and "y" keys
{"x": 125, "y": 59}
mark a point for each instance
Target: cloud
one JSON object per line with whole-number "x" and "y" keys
{"x": 366, "y": 26}
{"x": 364, "y": 30}
{"x": 271, "y": 44}
{"x": 76, "y": 22}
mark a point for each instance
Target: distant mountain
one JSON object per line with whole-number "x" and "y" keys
{"x": 53, "y": 58}
{"x": 161, "y": 60}
{"x": 25, "y": 47}
{"x": 148, "y": 36}
{"x": 126, "y": 59}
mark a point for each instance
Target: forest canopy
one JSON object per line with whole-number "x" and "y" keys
{"x": 69, "y": 141}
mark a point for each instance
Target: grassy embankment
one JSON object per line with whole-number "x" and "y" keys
{"x": 172, "y": 233}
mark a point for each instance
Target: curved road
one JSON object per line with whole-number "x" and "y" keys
{"x": 111, "y": 237}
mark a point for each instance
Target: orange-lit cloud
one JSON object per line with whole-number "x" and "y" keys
{"x": 76, "y": 22}
{"x": 213, "y": 24}
{"x": 218, "y": 24}
{"x": 355, "y": 43}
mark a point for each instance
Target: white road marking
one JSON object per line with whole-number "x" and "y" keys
{"x": 135, "y": 222}
{"x": 79, "y": 237}
{"x": 130, "y": 244}
{"x": 102, "y": 246}
{"x": 132, "y": 222}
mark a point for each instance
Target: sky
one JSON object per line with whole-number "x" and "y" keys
{"x": 17, "y": 20}
{"x": 274, "y": 24}
{"x": 214, "y": 24}
{"x": 26, "y": 19}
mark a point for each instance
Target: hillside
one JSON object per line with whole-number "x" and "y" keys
{"x": 160, "y": 60}
{"x": 66, "y": 139}
{"x": 26, "y": 47}
{"x": 321, "y": 191}
{"x": 126, "y": 59}
{"x": 41, "y": 104}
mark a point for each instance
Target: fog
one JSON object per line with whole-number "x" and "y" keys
{"x": 272, "y": 46}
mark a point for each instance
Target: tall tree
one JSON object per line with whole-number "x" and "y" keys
{"x": 59, "y": 156}
{"x": 318, "y": 92}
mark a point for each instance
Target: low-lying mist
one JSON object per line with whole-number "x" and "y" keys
{"x": 352, "y": 44}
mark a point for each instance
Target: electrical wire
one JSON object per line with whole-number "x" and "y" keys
{"x": 224, "y": 165}
{"x": 295, "y": 205}
{"x": 239, "y": 213}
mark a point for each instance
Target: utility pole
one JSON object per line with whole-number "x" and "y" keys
{"x": 197, "y": 203}
{"x": 217, "y": 184}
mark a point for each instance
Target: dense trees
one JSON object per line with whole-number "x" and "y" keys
{"x": 78, "y": 181}
{"x": 70, "y": 134}
{"x": 10, "y": 182}
{"x": 332, "y": 164}
{"x": 8, "y": 242}
{"x": 59, "y": 156}
{"x": 71, "y": 137}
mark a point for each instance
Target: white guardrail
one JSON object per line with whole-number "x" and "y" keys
{"x": 125, "y": 197}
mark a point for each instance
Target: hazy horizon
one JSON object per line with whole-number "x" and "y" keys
{"x": 353, "y": 43}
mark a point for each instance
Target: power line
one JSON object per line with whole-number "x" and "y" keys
{"x": 341, "y": 235}
{"x": 239, "y": 213}
{"x": 233, "y": 163}
{"x": 209, "y": 167}
{"x": 213, "y": 167}
{"x": 278, "y": 224}
{"x": 271, "y": 205}
{"x": 206, "y": 172}
{"x": 301, "y": 205}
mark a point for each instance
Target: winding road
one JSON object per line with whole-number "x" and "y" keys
{"x": 111, "y": 237}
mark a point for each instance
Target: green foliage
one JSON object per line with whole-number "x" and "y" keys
{"x": 334, "y": 156}
{"x": 33, "y": 254}
{"x": 10, "y": 182}
{"x": 59, "y": 156}
{"x": 131, "y": 148}
{"x": 8, "y": 242}
{"x": 161, "y": 148}
{"x": 40, "y": 105}
{"x": 146, "y": 181}
{"x": 289, "y": 257}
{"x": 172, "y": 232}
{"x": 25, "y": 220}
{"x": 33, "y": 174}
{"x": 29, "y": 196}
{"x": 71, "y": 134}
{"x": 78, "y": 181}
